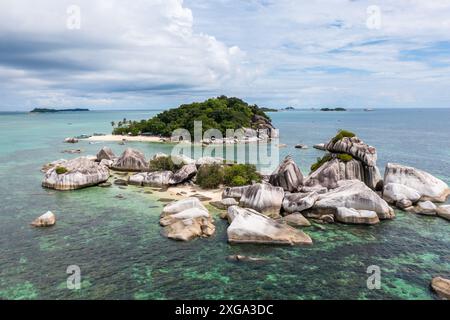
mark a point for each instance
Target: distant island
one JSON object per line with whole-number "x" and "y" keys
{"x": 333, "y": 109}
{"x": 219, "y": 113}
{"x": 268, "y": 109}
{"x": 45, "y": 110}
{"x": 289, "y": 109}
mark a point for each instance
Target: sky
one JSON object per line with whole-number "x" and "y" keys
{"x": 156, "y": 54}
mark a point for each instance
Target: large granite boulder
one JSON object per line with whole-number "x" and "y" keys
{"x": 75, "y": 174}
{"x": 263, "y": 198}
{"x": 186, "y": 173}
{"x": 336, "y": 170}
{"x": 224, "y": 203}
{"x": 444, "y": 212}
{"x": 53, "y": 164}
{"x": 441, "y": 286}
{"x": 249, "y": 226}
{"x": 131, "y": 160}
{"x": 105, "y": 154}
{"x": 429, "y": 187}
{"x": 185, "y": 220}
{"x": 395, "y": 193}
{"x": 234, "y": 192}
{"x": 296, "y": 220}
{"x": 352, "y": 216}
{"x": 352, "y": 194}
{"x": 426, "y": 208}
{"x": 298, "y": 202}
{"x": 48, "y": 219}
{"x": 287, "y": 175}
{"x": 356, "y": 148}
{"x": 151, "y": 179}
{"x": 209, "y": 161}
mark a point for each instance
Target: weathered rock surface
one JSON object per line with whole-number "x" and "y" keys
{"x": 444, "y": 212}
{"x": 336, "y": 170}
{"x": 79, "y": 173}
{"x": 296, "y": 220}
{"x": 355, "y": 147}
{"x": 105, "y": 154}
{"x": 249, "y": 226}
{"x": 181, "y": 205}
{"x": 130, "y": 160}
{"x": 209, "y": 160}
{"x": 394, "y": 192}
{"x": 224, "y": 203}
{"x": 442, "y": 287}
{"x": 52, "y": 164}
{"x": 404, "y": 204}
{"x": 151, "y": 179}
{"x": 352, "y": 216}
{"x": 191, "y": 222}
{"x": 298, "y": 202}
{"x": 186, "y": 173}
{"x": 429, "y": 187}
{"x": 234, "y": 192}
{"x": 352, "y": 194}
{"x": 426, "y": 208}
{"x": 48, "y": 219}
{"x": 70, "y": 140}
{"x": 287, "y": 175}
{"x": 263, "y": 198}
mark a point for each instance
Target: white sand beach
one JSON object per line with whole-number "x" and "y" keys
{"x": 110, "y": 137}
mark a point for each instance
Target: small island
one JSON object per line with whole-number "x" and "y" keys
{"x": 333, "y": 109}
{"x": 265, "y": 109}
{"x": 46, "y": 110}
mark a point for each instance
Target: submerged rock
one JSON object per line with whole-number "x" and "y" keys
{"x": 427, "y": 186}
{"x": 298, "y": 202}
{"x": 249, "y": 226}
{"x": 441, "y": 286}
{"x": 186, "y": 173}
{"x": 48, "y": 219}
{"x": 287, "y": 175}
{"x": 185, "y": 220}
{"x": 352, "y": 194}
{"x": 75, "y": 174}
{"x": 130, "y": 160}
{"x": 105, "y": 154}
{"x": 352, "y": 216}
{"x": 263, "y": 198}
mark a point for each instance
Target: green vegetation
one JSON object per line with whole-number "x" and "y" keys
{"x": 343, "y": 134}
{"x": 345, "y": 157}
{"x": 163, "y": 164}
{"x": 61, "y": 170}
{"x": 320, "y": 162}
{"x": 240, "y": 175}
{"x": 217, "y": 113}
{"x": 209, "y": 176}
{"x": 45, "y": 110}
{"x": 333, "y": 109}
{"x": 268, "y": 109}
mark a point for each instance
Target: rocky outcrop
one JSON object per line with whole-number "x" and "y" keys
{"x": 249, "y": 226}
{"x": 296, "y": 220}
{"x": 356, "y": 148}
{"x": 151, "y": 179}
{"x": 52, "y": 164}
{"x": 355, "y": 195}
{"x": 263, "y": 198}
{"x": 441, "y": 286}
{"x": 336, "y": 170}
{"x": 444, "y": 212}
{"x": 352, "y": 216}
{"x": 75, "y": 174}
{"x": 234, "y": 192}
{"x": 105, "y": 154}
{"x": 426, "y": 208}
{"x": 287, "y": 175}
{"x": 224, "y": 203}
{"x": 429, "y": 187}
{"x": 70, "y": 140}
{"x": 209, "y": 160}
{"x": 185, "y": 223}
{"x": 298, "y": 202}
{"x": 130, "y": 160}
{"x": 186, "y": 173}
{"x": 397, "y": 194}
{"x": 48, "y": 219}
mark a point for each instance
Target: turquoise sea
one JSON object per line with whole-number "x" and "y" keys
{"x": 117, "y": 242}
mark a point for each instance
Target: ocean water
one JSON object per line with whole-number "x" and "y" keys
{"x": 121, "y": 254}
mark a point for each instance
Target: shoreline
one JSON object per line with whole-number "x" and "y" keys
{"x": 120, "y": 138}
